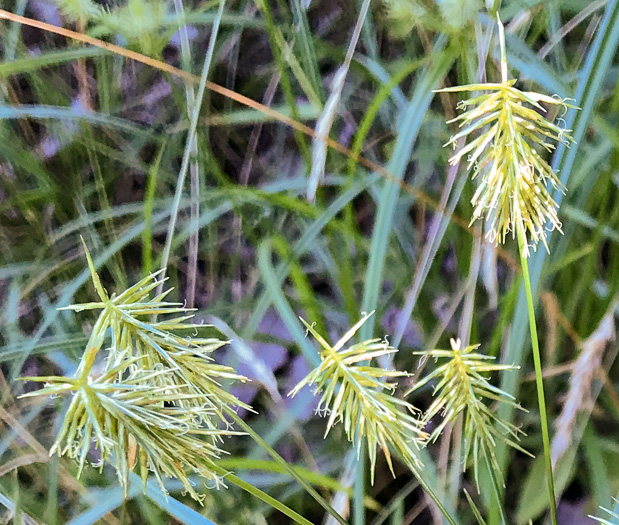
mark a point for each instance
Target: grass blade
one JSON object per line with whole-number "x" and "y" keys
{"x": 407, "y": 134}
{"x": 306, "y": 45}
{"x": 191, "y": 137}
{"x": 409, "y": 128}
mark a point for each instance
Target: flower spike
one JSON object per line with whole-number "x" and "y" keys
{"x": 354, "y": 393}
{"x": 156, "y": 404}
{"x": 512, "y": 196}
{"x": 463, "y": 388}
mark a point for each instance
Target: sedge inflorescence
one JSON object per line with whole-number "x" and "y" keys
{"x": 463, "y": 388}
{"x": 513, "y": 194}
{"x": 355, "y": 393}
{"x": 155, "y": 403}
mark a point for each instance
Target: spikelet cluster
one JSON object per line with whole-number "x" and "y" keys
{"x": 80, "y": 11}
{"x": 512, "y": 194}
{"x": 355, "y": 393}
{"x": 157, "y": 405}
{"x": 404, "y": 15}
{"x": 463, "y": 388}
{"x": 445, "y": 15}
{"x": 140, "y": 22}
{"x": 459, "y": 13}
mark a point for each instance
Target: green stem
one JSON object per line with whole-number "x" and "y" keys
{"x": 433, "y": 496}
{"x": 538, "y": 376}
{"x": 282, "y": 462}
{"x": 269, "y": 500}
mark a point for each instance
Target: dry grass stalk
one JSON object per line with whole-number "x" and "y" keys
{"x": 579, "y": 396}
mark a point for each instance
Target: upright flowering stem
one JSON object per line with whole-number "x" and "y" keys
{"x": 514, "y": 195}
{"x": 538, "y": 375}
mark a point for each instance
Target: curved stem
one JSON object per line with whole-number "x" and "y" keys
{"x": 281, "y": 461}
{"x": 538, "y": 376}
{"x": 269, "y": 500}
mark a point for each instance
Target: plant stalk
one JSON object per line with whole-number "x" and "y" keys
{"x": 538, "y": 377}
{"x": 282, "y": 462}
{"x": 256, "y": 492}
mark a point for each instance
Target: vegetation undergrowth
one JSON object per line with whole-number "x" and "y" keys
{"x": 424, "y": 410}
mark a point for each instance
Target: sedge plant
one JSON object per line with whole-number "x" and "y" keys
{"x": 513, "y": 194}
{"x": 150, "y": 398}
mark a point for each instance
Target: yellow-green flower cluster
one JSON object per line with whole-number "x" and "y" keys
{"x": 353, "y": 392}
{"x": 139, "y": 21}
{"x": 463, "y": 388}
{"x": 80, "y": 11}
{"x": 444, "y": 15}
{"x": 157, "y": 405}
{"x": 513, "y": 194}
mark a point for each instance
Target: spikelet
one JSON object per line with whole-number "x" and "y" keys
{"x": 459, "y": 13}
{"x": 140, "y": 22}
{"x": 354, "y": 393}
{"x": 142, "y": 426}
{"x": 404, "y": 15}
{"x": 463, "y": 389}
{"x": 512, "y": 195}
{"x": 446, "y": 15}
{"x": 80, "y": 11}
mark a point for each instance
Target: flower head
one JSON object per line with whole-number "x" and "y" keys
{"x": 157, "y": 405}
{"x": 354, "y": 393}
{"x": 512, "y": 195}
{"x": 463, "y": 388}
{"x": 79, "y": 10}
{"x": 142, "y": 426}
